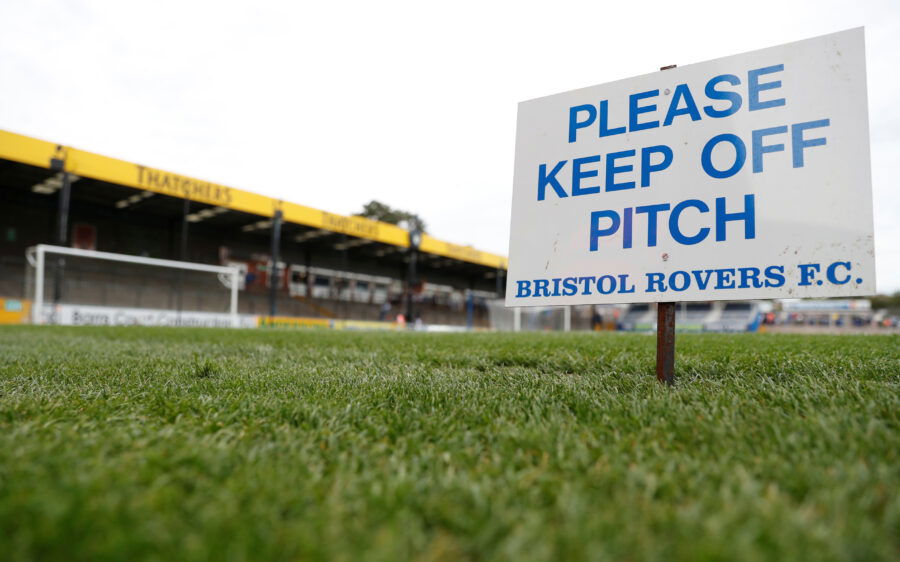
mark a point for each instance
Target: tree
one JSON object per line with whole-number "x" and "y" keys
{"x": 376, "y": 210}
{"x": 890, "y": 302}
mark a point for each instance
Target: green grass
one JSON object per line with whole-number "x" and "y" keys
{"x": 178, "y": 444}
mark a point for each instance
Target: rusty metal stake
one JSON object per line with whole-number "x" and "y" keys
{"x": 665, "y": 330}
{"x": 665, "y": 343}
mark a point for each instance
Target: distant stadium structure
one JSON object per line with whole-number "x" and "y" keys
{"x": 295, "y": 261}
{"x": 107, "y": 229}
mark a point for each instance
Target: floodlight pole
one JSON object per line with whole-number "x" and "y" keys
{"x": 665, "y": 332}
{"x": 273, "y": 269}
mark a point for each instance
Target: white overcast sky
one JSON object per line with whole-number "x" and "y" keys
{"x": 332, "y": 104}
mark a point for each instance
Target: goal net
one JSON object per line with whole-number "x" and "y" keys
{"x": 75, "y": 286}
{"x": 531, "y": 319}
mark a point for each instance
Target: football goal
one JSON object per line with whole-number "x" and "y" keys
{"x": 76, "y": 286}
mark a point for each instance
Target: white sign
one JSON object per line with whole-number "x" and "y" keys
{"x": 78, "y": 315}
{"x": 745, "y": 177}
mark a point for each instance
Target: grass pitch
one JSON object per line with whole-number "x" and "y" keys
{"x": 159, "y": 444}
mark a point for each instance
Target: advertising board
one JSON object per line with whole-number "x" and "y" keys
{"x": 89, "y": 315}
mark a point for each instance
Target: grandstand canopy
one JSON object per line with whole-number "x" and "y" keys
{"x": 125, "y": 193}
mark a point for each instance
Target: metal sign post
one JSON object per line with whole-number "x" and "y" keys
{"x": 665, "y": 343}
{"x": 665, "y": 332}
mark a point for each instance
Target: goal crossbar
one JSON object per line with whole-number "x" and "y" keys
{"x": 37, "y": 256}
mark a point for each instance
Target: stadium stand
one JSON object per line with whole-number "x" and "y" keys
{"x": 331, "y": 266}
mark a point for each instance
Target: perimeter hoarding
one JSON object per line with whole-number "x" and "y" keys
{"x": 746, "y": 177}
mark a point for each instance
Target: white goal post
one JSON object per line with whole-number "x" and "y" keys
{"x": 229, "y": 276}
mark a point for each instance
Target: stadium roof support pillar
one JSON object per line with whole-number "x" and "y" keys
{"x": 273, "y": 267}
{"x": 307, "y": 261}
{"x": 470, "y": 304}
{"x": 343, "y": 282}
{"x": 415, "y": 238}
{"x": 183, "y": 247}
{"x": 410, "y": 283}
{"x": 62, "y": 223}
{"x": 183, "y": 253}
